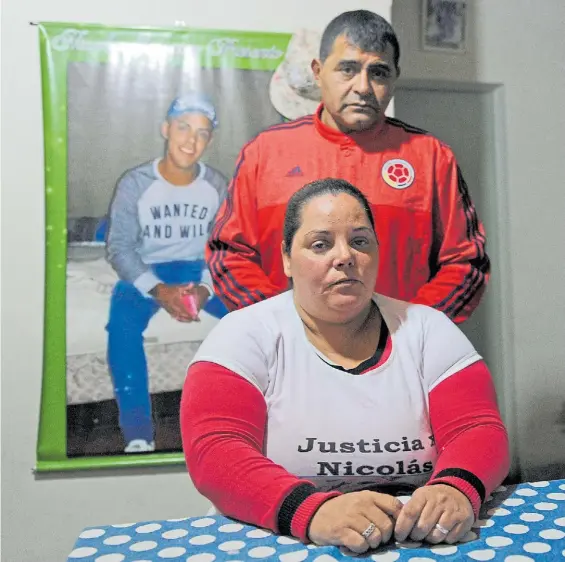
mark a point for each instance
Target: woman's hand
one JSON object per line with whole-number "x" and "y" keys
{"x": 342, "y": 520}
{"x": 430, "y": 505}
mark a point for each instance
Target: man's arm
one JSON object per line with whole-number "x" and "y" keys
{"x": 462, "y": 265}
{"x": 232, "y": 253}
{"x": 123, "y": 237}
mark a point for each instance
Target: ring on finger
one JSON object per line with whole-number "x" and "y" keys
{"x": 441, "y": 529}
{"x": 368, "y": 531}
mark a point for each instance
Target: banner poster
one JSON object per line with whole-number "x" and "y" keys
{"x": 114, "y": 106}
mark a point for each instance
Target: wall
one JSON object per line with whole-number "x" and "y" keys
{"x": 42, "y": 516}
{"x": 519, "y": 46}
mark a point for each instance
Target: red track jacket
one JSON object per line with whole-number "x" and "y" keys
{"x": 432, "y": 245}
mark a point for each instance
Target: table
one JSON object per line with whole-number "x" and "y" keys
{"x": 517, "y": 524}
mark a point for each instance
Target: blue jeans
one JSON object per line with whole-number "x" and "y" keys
{"x": 130, "y": 313}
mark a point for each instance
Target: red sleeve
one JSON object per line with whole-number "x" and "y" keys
{"x": 463, "y": 267}
{"x": 470, "y": 437}
{"x": 223, "y": 419}
{"x": 232, "y": 252}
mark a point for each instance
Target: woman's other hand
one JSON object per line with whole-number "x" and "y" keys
{"x": 440, "y": 505}
{"x": 341, "y": 521}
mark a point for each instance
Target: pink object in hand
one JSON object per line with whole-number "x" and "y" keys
{"x": 189, "y": 301}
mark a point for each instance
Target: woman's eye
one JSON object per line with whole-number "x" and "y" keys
{"x": 360, "y": 242}
{"x": 320, "y": 245}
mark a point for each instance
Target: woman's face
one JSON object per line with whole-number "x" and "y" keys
{"x": 334, "y": 258}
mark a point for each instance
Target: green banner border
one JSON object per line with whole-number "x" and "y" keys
{"x": 61, "y": 43}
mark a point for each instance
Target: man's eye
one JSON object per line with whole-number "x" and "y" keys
{"x": 360, "y": 242}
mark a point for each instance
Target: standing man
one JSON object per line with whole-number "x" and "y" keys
{"x": 160, "y": 219}
{"x": 432, "y": 243}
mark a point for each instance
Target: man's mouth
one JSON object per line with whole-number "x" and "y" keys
{"x": 344, "y": 282}
{"x": 187, "y": 151}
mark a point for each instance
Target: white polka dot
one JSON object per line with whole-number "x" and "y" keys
{"x": 175, "y": 534}
{"x": 562, "y": 487}
{"x": 532, "y": 517}
{"x": 202, "y": 539}
{"x": 150, "y": 528}
{"x": 541, "y": 484}
{"x": 171, "y": 552}
{"x": 118, "y": 539}
{"x": 177, "y": 520}
{"x": 552, "y": 534}
{"x": 312, "y": 546}
{"x": 514, "y": 502}
{"x": 206, "y": 522}
{"x": 556, "y": 496}
{"x": 545, "y": 506}
{"x": 231, "y": 528}
{"x": 123, "y": 525}
{"x": 111, "y": 558}
{"x": 204, "y": 557}
{"x": 560, "y": 522}
{"x": 481, "y": 554}
{"x": 421, "y": 559}
{"x": 83, "y": 552}
{"x": 386, "y": 557}
{"x": 516, "y": 529}
{"x": 231, "y": 545}
{"x": 325, "y": 558}
{"x": 498, "y": 512}
{"x": 143, "y": 546}
{"x": 444, "y": 549}
{"x": 483, "y": 523}
{"x": 296, "y": 556}
{"x": 526, "y": 492}
{"x": 92, "y": 533}
{"x": 261, "y": 552}
{"x": 258, "y": 534}
{"x": 499, "y": 541}
{"x": 501, "y": 489}
{"x": 470, "y": 536}
{"x": 537, "y": 547}
{"x": 288, "y": 540}
{"x": 518, "y": 558}
{"x": 409, "y": 544}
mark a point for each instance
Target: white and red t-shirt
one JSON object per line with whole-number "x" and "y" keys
{"x": 263, "y": 412}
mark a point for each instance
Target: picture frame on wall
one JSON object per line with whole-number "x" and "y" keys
{"x": 444, "y": 26}
{"x": 116, "y": 101}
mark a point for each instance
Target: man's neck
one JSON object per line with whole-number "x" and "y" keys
{"x": 177, "y": 176}
{"x": 330, "y": 122}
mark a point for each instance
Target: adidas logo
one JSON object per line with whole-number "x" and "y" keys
{"x": 296, "y": 171}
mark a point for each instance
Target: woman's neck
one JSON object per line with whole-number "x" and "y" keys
{"x": 355, "y": 340}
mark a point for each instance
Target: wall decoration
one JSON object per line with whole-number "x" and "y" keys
{"x": 444, "y": 25}
{"x": 114, "y": 362}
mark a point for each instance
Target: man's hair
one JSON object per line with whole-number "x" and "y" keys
{"x": 327, "y": 186}
{"x": 363, "y": 29}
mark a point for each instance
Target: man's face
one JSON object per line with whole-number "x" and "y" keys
{"x": 187, "y": 138}
{"x": 356, "y": 86}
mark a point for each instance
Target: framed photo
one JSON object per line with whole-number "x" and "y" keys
{"x": 117, "y": 102}
{"x": 444, "y": 25}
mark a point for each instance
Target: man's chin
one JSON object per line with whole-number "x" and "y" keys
{"x": 358, "y": 123}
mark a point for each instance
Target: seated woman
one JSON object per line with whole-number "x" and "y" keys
{"x": 307, "y": 413}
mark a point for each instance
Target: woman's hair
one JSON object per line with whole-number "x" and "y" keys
{"x": 328, "y": 186}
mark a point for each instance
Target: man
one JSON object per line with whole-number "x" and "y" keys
{"x": 160, "y": 219}
{"x": 432, "y": 245}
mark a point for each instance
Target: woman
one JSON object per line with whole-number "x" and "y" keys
{"x": 307, "y": 412}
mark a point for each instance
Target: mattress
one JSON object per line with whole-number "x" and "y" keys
{"x": 169, "y": 345}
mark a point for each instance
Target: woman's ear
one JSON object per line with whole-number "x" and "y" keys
{"x": 285, "y": 260}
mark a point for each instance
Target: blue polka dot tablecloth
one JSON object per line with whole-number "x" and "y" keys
{"x": 517, "y": 524}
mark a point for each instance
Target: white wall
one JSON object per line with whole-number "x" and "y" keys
{"x": 520, "y": 44}
{"x": 42, "y": 517}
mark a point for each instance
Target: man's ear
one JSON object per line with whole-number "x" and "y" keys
{"x": 316, "y": 66}
{"x": 165, "y": 130}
